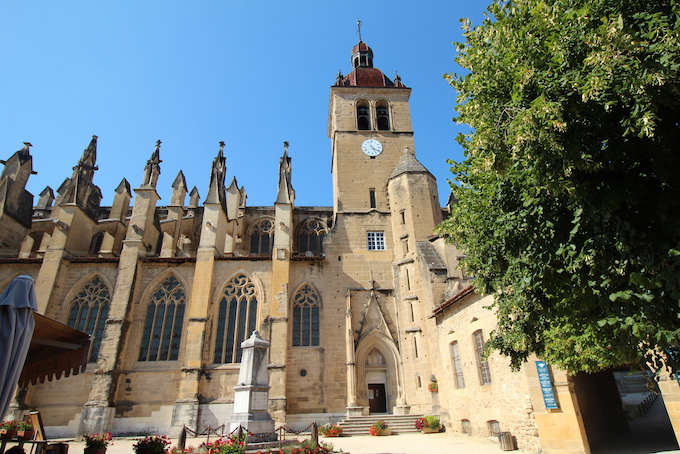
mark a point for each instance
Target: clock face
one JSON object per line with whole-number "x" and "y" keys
{"x": 372, "y": 147}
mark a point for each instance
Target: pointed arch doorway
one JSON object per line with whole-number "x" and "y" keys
{"x": 378, "y": 382}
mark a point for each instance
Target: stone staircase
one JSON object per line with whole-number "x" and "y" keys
{"x": 358, "y": 425}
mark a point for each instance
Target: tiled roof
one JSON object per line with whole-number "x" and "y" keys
{"x": 453, "y": 300}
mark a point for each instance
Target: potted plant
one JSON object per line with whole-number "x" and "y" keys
{"x": 428, "y": 425}
{"x": 433, "y": 387}
{"x": 330, "y": 430}
{"x": 379, "y": 428}
{"x": 153, "y": 444}
{"x": 8, "y": 429}
{"x": 25, "y": 430}
{"x": 97, "y": 443}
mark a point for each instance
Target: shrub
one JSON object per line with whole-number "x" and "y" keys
{"x": 153, "y": 444}
{"x": 430, "y": 422}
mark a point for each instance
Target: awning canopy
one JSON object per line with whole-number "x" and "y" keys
{"x": 55, "y": 349}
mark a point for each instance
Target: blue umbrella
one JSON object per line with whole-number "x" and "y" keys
{"x": 17, "y": 304}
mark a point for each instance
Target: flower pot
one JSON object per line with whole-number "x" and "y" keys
{"x": 6, "y": 434}
{"x": 387, "y": 431}
{"x": 428, "y": 430}
{"x": 25, "y": 434}
{"x": 95, "y": 451}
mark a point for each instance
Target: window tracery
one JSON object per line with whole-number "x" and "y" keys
{"x": 310, "y": 236}
{"x": 164, "y": 320}
{"x": 236, "y": 319}
{"x": 89, "y": 311}
{"x": 306, "y": 308}
{"x": 262, "y": 237}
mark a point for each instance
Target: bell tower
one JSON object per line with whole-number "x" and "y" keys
{"x": 369, "y": 125}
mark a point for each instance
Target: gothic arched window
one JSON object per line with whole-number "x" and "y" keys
{"x": 164, "y": 319}
{"x": 306, "y": 305}
{"x": 382, "y": 114}
{"x": 310, "y": 236}
{"x": 262, "y": 237}
{"x": 236, "y": 320}
{"x": 363, "y": 116}
{"x": 89, "y": 310}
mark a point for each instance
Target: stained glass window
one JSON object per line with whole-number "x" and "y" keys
{"x": 236, "y": 319}
{"x": 164, "y": 319}
{"x": 306, "y": 305}
{"x": 89, "y": 310}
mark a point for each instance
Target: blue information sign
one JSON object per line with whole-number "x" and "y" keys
{"x": 546, "y": 385}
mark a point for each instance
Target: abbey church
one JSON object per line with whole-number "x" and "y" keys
{"x": 364, "y": 306}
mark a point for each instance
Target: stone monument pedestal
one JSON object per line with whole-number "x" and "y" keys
{"x": 251, "y": 394}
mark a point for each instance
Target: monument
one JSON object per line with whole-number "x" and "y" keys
{"x": 251, "y": 395}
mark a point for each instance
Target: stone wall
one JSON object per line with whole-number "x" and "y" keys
{"x": 506, "y": 399}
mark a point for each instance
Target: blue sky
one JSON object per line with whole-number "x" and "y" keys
{"x": 192, "y": 73}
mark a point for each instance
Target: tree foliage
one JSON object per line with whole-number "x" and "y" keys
{"x": 569, "y": 196}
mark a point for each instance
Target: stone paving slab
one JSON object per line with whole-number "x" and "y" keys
{"x": 410, "y": 443}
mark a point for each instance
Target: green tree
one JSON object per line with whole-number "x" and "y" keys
{"x": 569, "y": 196}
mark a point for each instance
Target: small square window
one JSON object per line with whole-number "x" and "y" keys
{"x": 376, "y": 241}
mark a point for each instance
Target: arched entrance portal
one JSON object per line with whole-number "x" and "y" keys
{"x": 378, "y": 377}
{"x": 376, "y": 381}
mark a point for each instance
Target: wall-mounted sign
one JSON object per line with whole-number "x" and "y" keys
{"x": 546, "y": 385}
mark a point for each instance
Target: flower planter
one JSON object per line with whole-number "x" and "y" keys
{"x": 25, "y": 434}
{"x": 95, "y": 451}
{"x": 6, "y": 434}
{"x": 387, "y": 431}
{"x": 428, "y": 430}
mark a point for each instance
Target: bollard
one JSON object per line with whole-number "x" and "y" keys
{"x": 315, "y": 434}
{"x": 182, "y": 439}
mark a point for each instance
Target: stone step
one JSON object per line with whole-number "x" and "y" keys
{"x": 358, "y": 425}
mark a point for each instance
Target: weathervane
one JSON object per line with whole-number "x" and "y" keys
{"x": 359, "y": 28}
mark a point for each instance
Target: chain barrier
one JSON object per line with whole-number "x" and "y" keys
{"x": 240, "y": 431}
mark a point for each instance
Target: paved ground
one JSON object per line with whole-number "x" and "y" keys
{"x": 651, "y": 434}
{"x": 414, "y": 443}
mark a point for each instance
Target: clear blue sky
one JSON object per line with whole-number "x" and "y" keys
{"x": 193, "y": 73}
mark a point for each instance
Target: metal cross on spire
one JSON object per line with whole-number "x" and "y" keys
{"x": 359, "y": 28}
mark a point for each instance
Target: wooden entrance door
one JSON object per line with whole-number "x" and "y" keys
{"x": 377, "y": 399}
